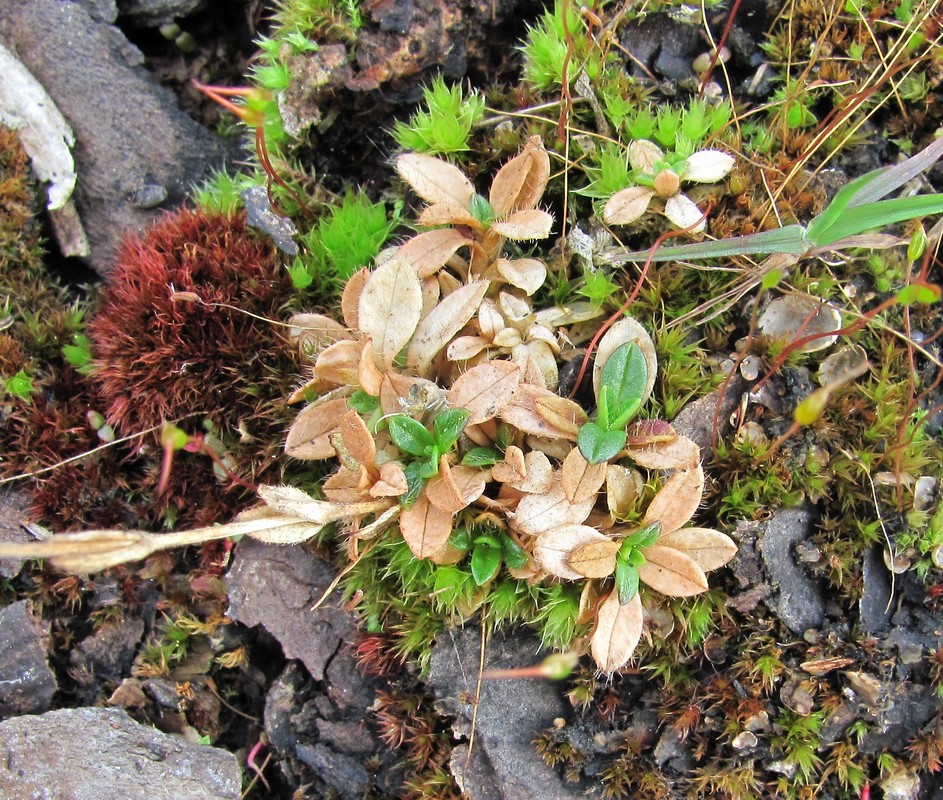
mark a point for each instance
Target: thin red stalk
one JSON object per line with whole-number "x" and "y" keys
{"x": 725, "y": 34}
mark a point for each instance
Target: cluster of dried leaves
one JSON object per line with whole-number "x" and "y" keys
{"x": 435, "y": 394}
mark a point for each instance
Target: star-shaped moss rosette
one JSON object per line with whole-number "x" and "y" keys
{"x": 658, "y": 174}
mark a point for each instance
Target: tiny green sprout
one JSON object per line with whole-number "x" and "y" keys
{"x": 413, "y": 438}
{"x": 621, "y": 389}
{"x": 918, "y": 243}
{"x": 20, "y": 385}
{"x": 481, "y": 209}
{"x": 597, "y": 287}
{"x": 630, "y": 558}
{"x": 446, "y": 122}
{"x": 79, "y": 354}
{"x": 482, "y": 457}
{"x": 489, "y": 551}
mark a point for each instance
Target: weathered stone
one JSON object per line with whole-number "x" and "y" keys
{"x": 798, "y": 601}
{"x": 27, "y": 684}
{"x": 14, "y": 511}
{"x": 151, "y": 13}
{"x": 129, "y": 131}
{"x": 510, "y": 713}
{"x": 106, "y": 655}
{"x": 344, "y": 774}
{"x": 874, "y": 606}
{"x": 95, "y": 753}
{"x": 275, "y": 587}
{"x": 698, "y": 420}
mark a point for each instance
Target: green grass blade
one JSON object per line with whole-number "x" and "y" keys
{"x": 880, "y": 215}
{"x": 896, "y": 176}
{"x": 790, "y": 240}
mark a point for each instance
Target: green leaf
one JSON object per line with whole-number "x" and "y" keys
{"x": 643, "y": 537}
{"x": 485, "y": 563}
{"x": 918, "y": 293}
{"x": 626, "y": 581}
{"x": 481, "y": 210}
{"x": 461, "y": 539}
{"x": 448, "y": 426}
{"x": 79, "y": 355}
{"x": 598, "y": 445}
{"x": 789, "y": 240}
{"x": 514, "y": 555}
{"x": 20, "y": 385}
{"x": 363, "y": 403}
{"x": 414, "y": 483}
{"x": 488, "y": 538}
{"x": 172, "y": 437}
{"x": 410, "y": 435}
{"x": 877, "y": 215}
{"x": 625, "y": 374}
{"x": 481, "y": 457}
{"x": 430, "y": 467}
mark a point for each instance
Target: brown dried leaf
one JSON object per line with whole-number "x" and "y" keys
{"x": 581, "y": 480}
{"x": 392, "y": 482}
{"x": 622, "y": 490}
{"x": 448, "y": 214}
{"x": 522, "y": 411}
{"x": 358, "y": 441}
{"x": 709, "y": 549}
{"x": 484, "y": 390}
{"x": 350, "y": 297}
{"x": 539, "y": 474}
{"x": 313, "y": 332}
{"x": 390, "y": 306}
{"x": 368, "y": 376}
{"x": 308, "y": 437}
{"x": 525, "y": 225}
{"x": 435, "y": 180}
{"x": 339, "y": 363}
{"x": 345, "y": 486}
{"x": 594, "y": 560}
{"x": 425, "y": 528}
{"x": 671, "y": 572}
{"x": 466, "y": 347}
{"x": 537, "y": 513}
{"x": 680, "y": 453}
{"x": 627, "y": 205}
{"x": 527, "y": 274}
{"x": 521, "y": 182}
{"x": 562, "y": 413}
{"x": 455, "y": 488}
{"x": 512, "y": 469}
{"x": 428, "y": 252}
{"x": 617, "y": 632}
{"x": 442, "y": 323}
{"x": 554, "y": 549}
{"x": 677, "y": 500}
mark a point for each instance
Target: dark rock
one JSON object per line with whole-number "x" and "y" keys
{"x": 344, "y": 774}
{"x": 798, "y": 601}
{"x": 275, "y": 587}
{"x": 151, "y": 13}
{"x": 875, "y": 606}
{"x": 129, "y": 131}
{"x": 106, "y": 655}
{"x": 346, "y": 737}
{"x": 14, "y": 511}
{"x": 903, "y": 709}
{"x": 95, "y": 753}
{"x": 665, "y": 46}
{"x": 510, "y": 714}
{"x": 697, "y": 419}
{"x": 27, "y": 684}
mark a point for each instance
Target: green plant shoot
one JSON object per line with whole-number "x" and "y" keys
{"x": 621, "y": 389}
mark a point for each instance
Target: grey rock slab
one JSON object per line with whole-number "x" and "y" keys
{"x": 511, "y": 713}
{"x": 697, "y": 419}
{"x": 798, "y": 601}
{"x": 151, "y": 13}
{"x": 129, "y": 131}
{"x": 106, "y": 655}
{"x": 27, "y": 684}
{"x": 98, "y": 753}
{"x": 276, "y": 587}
